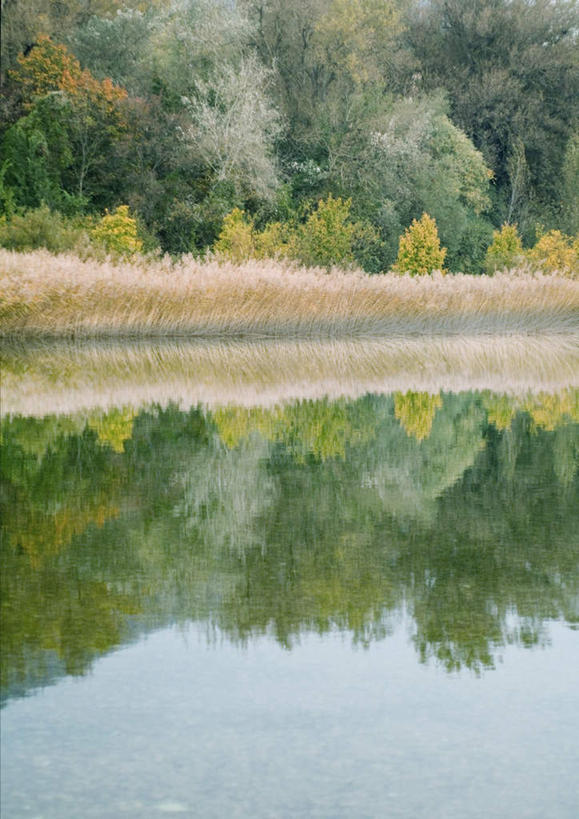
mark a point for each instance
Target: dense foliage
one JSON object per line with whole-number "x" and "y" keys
{"x": 186, "y": 111}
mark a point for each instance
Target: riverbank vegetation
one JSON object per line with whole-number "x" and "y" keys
{"x": 268, "y": 298}
{"x": 318, "y": 131}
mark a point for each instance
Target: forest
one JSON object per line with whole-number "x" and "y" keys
{"x": 318, "y": 130}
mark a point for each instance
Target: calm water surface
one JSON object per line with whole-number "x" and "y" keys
{"x": 359, "y": 607}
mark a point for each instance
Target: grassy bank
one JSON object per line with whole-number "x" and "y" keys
{"x": 45, "y": 295}
{"x": 41, "y": 378}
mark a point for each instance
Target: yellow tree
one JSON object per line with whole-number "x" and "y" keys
{"x": 419, "y": 251}
{"x": 117, "y": 233}
{"x": 236, "y": 241}
{"x": 555, "y": 252}
{"x": 506, "y": 249}
{"x": 416, "y": 411}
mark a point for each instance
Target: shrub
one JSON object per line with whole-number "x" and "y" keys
{"x": 326, "y": 238}
{"x": 506, "y": 249}
{"x": 118, "y": 233}
{"x": 236, "y": 240}
{"x": 42, "y": 227}
{"x": 273, "y": 241}
{"x": 329, "y": 236}
{"x": 556, "y": 252}
{"x": 419, "y": 250}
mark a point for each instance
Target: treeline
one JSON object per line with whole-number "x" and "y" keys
{"x": 318, "y": 129}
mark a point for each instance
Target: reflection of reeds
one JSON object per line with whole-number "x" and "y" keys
{"x": 63, "y": 295}
{"x": 66, "y": 377}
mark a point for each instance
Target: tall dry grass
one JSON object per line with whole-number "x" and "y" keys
{"x": 42, "y": 294}
{"x": 66, "y": 377}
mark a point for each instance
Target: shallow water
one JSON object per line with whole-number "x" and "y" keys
{"x": 363, "y": 605}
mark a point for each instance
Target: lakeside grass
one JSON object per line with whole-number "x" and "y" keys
{"x": 50, "y": 378}
{"x": 42, "y": 295}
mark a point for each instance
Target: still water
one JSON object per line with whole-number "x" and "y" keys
{"x": 321, "y": 600}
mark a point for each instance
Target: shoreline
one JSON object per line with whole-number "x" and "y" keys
{"x": 43, "y": 296}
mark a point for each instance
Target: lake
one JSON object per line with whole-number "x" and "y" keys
{"x": 327, "y": 579}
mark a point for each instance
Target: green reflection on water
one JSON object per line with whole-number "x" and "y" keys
{"x": 313, "y": 515}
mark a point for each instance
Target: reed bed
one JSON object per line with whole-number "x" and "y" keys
{"x": 46, "y": 295}
{"x": 67, "y": 377}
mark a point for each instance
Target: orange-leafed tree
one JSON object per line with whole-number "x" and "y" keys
{"x": 50, "y": 67}
{"x": 58, "y": 95}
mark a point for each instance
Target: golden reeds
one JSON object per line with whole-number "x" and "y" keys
{"x": 67, "y": 377}
{"x": 46, "y": 295}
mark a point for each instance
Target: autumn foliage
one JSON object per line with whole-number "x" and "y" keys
{"x": 117, "y": 233}
{"x": 419, "y": 250}
{"x": 50, "y": 67}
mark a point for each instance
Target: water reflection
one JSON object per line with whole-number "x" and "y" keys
{"x": 307, "y": 516}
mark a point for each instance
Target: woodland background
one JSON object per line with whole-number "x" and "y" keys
{"x": 186, "y": 113}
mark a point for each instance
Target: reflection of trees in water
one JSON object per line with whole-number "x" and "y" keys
{"x": 313, "y": 516}
{"x": 416, "y": 411}
{"x": 547, "y": 410}
{"x": 307, "y": 429}
{"x": 502, "y": 558}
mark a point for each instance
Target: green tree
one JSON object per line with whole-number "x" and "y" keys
{"x": 66, "y": 139}
{"x": 119, "y": 47}
{"x": 329, "y": 235}
{"x": 413, "y": 159}
{"x": 510, "y": 70}
{"x": 570, "y": 187}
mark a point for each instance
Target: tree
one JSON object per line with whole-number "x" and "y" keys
{"x": 234, "y": 127}
{"x": 327, "y": 55}
{"x": 510, "y": 68}
{"x": 72, "y": 122}
{"x": 420, "y": 252}
{"x": 38, "y": 155}
{"x": 506, "y": 249}
{"x": 570, "y": 187}
{"x": 411, "y": 160}
{"x": 329, "y": 235}
{"x": 236, "y": 240}
{"x": 555, "y": 252}
{"x": 24, "y": 20}
{"x": 119, "y": 47}
{"x": 117, "y": 233}
{"x": 326, "y": 238}
{"x": 192, "y": 41}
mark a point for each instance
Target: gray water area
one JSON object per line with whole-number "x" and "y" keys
{"x": 174, "y": 726}
{"x": 363, "y": 606}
